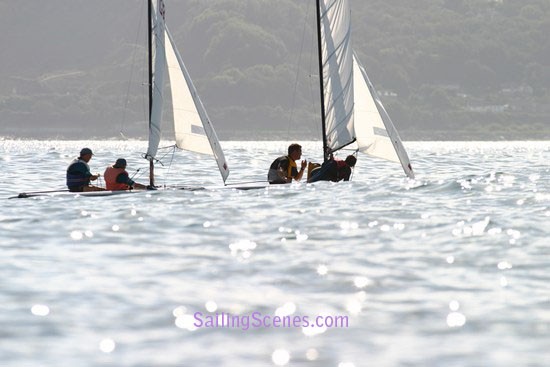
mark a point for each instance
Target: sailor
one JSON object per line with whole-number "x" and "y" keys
{"x": 334, "y": 170}
{"x": 284, "y": 169}
{"x": 116, "y": 177}
{"x": 78, "y": 173}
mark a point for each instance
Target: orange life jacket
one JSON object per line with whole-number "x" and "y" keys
{"x": 110, "y": 176}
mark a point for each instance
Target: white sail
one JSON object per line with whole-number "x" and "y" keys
{"x": 337, "y": 71}
{"x": 376, "y": 135}
{"x": 193, "y": 129}
{"x": 352, "y": 108}
{"x": 159, "y": 66}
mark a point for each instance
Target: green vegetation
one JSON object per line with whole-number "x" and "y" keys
{"x": 446, "y": 69}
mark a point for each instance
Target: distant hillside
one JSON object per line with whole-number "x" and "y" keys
{"x": 446, "y": 69}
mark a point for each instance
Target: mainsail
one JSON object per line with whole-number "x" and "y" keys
{"x": 336, "y": 65}
{"x": 193, "y": 129}
{"x": 352, "y": 111}
{"x": 156, "y": 76}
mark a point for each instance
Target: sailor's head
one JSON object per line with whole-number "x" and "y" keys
{"x": 86, "y": 154}
{"x": 351, "y": 160}
{"x": 295, "y": 151}
{"x": 120, "y": 163}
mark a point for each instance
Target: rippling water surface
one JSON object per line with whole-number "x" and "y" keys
{"x": 447, "y": 270}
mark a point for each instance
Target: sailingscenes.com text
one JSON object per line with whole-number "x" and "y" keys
{"x": 257, "y": 320}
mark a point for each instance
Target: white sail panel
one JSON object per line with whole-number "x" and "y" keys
{"x": 337, "y": 72}
{"x": 376, "y": 135}
{"x": 159, "y": 66}
{"x": 193, "y": 128}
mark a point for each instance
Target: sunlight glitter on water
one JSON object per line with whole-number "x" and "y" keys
{"x": 398, "y": 271}
{"x": 40, "y": 310}
{"x": 504, "y": 265}
{"x": 312, "y": 354}
{"x": 354, "y": 307}
{"x": 287, "y": 309}
{"x": 280, "y": 357}
{"x": 475, "y": 229}
{"x": 454, "y": 305}
{"x": 362, "y": 282}
{"x": 322, "y": 270}
{"x": 312, "y": 331}
{"x": 211, "y": 306}
{"x": 346, "y": 364}
{"x": 456, "y": 319}
{"x": 77, "y": 235}
{"x": 185, "y": 321}
{"x": 179, "y": 311}
{"x": 107, "y": 345}
{"x": 242, "y": 249}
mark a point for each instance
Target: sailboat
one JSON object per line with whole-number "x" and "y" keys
{"x": 352, "y": 113}
{"x": 192, "y": 126}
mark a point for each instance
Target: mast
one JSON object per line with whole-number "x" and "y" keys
{"x": 321, "y": 85}
{"x": 150, "y": 58}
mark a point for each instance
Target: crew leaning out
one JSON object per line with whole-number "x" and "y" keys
{"x": 116, "y": 178}
{"x": 284, "y": 169}
{"x": 334, "y": 170}
{"x": 78, "y": 173}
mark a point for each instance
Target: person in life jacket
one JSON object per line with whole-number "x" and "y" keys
{"x": 284, "y": 169}
{"x": 334, "y": 170}
{"x": 116, "y": 177}
{"x": 78, "y": 173}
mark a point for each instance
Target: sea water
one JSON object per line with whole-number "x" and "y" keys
{"x": 451, "y": 269}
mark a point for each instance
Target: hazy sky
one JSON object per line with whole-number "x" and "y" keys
{"x": 71, "y": 66}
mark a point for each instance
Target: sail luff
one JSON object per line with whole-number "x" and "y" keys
{"x": 150, "y": 84}
{"x": 193, "y": 129}
{"x": 157, "y": 79}
{"x": 321, "y": 84}
{"x": 150, "y": 55}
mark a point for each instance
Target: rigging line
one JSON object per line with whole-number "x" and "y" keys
{"x": 170, "y": 164}
{"x": 100, "y": 182}
{"x": 159, "y": 160}
{"x": 353, "y": 168}
{"x": 136, "y": 172}
{"x": 297, "y": 72}
{"x": 126, "y": 99}
{"x": 311, "y": 83}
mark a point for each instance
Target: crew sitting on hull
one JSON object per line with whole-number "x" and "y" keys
{"x": 116, "y": 177}
{"x": 334, "y": 170}
{"x": 78, "y": 173}
{"x": 284, "y": 168}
